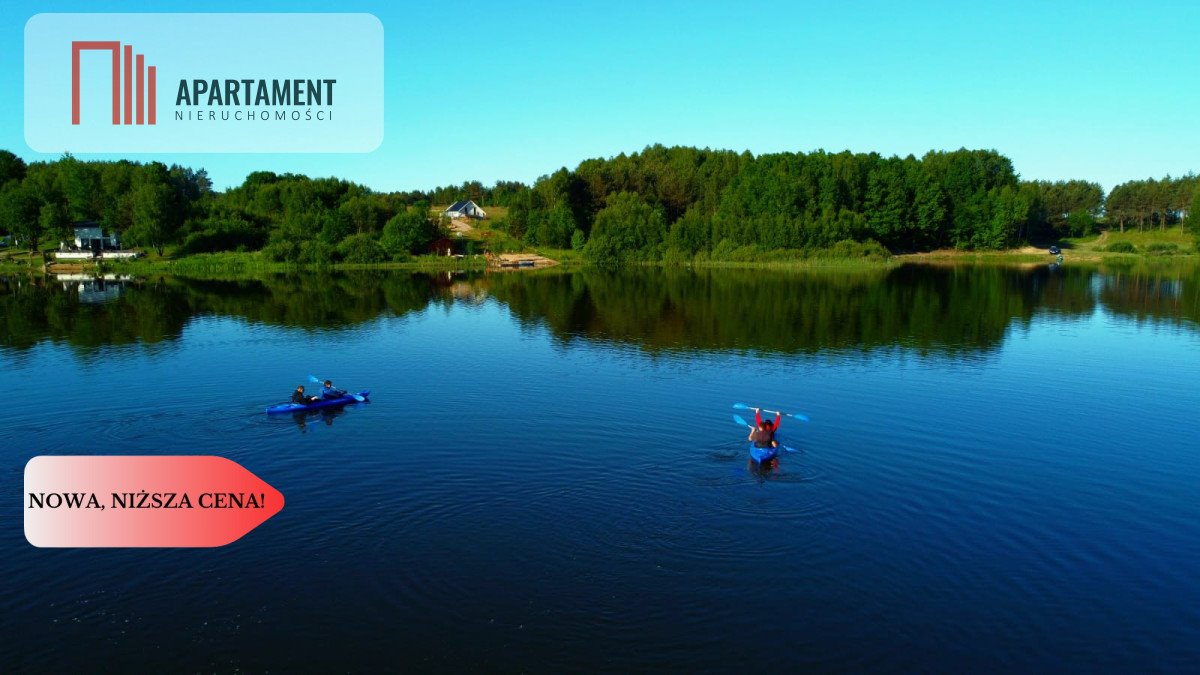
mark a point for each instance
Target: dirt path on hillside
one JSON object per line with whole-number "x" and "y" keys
{"x": 461, "y": 227}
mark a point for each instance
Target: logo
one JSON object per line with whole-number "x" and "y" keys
{"x": 172, "y": 83}
{"x": 146, "y": 79}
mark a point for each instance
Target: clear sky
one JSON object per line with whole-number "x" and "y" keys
{"x": 513, "y": 90}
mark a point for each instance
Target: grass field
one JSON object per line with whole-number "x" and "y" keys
{"x": 1173, "y": 241}
{"x": 1172, "y": 235}
{"x": 1092, "y": 248}
{"x": 562, "y": 255}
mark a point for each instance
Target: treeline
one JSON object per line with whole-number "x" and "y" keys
{"x": 144, "y": 202}
{"x": 500, "y": 194}
{"x": 291, "y": 218}
{"x": 1154, "y": 203}
{"x": 662, "y": 203}
{"x": 668, "y": 203}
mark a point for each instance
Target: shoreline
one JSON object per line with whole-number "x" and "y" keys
{"x": 249, "y": 264}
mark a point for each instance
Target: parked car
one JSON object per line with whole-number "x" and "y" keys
{"x": 1054, "y": 250}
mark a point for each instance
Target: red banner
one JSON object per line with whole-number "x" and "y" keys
{"x": 142, "y": 501}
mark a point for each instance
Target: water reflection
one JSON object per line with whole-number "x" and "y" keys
{"x": 1151, "y": 297}
{"x": 924, "y": 308}
{"x": 325, "y": 416}
{"x": 94, "y": 289}
{"x": 764, "y": 470}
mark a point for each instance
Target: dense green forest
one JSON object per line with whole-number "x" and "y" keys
{"x": 662, "y": 203}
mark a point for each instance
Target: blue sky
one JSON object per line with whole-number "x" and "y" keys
{"x": 514, "y": 90}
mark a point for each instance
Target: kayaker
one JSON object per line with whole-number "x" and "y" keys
{"x": 299, "y": 397}
{"x": 763, "y": 435}
{"x": 329, "y": 392}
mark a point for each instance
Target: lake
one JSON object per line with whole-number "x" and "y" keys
{"x": 1000, "y": 471}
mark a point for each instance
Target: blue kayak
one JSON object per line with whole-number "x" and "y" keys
{"x": 324, "y": 403}
{"x": 761, "y": 455}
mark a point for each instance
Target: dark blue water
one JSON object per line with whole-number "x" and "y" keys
{"x": 1001, "y": 472}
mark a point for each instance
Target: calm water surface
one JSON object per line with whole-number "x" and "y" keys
{"x": 1001, "y": 471}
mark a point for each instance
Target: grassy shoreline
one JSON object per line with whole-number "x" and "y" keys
{"x": 1090, "y": 250}
{"x": 828, "y": 264}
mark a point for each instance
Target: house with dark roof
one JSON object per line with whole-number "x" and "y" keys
{"x": 464, "y": 208}
{"x": 89, "y": 236}
{"x": 91, "y": 242}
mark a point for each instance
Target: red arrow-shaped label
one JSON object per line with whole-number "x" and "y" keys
{"x": 142, "y": 501}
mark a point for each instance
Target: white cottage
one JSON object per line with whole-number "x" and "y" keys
{"x": 90, "y": 237}
{"x": 464, "y": 208}
{"x": 91, "y": 242}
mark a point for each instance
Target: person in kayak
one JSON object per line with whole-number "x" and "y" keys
{"x": 328, "y": 392}
{"x": 763, "y": 435}
{"x": 299, "y": 397}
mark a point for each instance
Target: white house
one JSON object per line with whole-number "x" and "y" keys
{"x": 90, "y": 237}
{"x": 90, "y": 242}
{"x": 465, "y": 208}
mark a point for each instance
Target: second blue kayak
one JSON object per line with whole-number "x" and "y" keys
{"x": 324, "y": 403}
{"x": 761, "y": 455}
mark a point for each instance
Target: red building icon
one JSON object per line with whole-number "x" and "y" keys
{"x": 145, "y": 80}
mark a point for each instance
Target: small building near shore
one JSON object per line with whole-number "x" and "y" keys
{"x": 89, "y": 236}
{"x": 464, "y": 208}
{"x": 91, "y": 242}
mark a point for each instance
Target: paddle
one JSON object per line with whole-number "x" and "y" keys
{"x": 356, "y": 397}
{"x": 795, "y": 416}
{"x": 739, "y": 420}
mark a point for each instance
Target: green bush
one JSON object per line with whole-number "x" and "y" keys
{"x": 1121, "y": 247}
{"x": 723, "y": 250}
{"x": 316, "y": 252}
{"x": 1162, "y": 248}
{"x": 783, "y": 255}
{"x": 212, "y": 236}
{"x": 282, "y": 251}
{"x": 869, "y": 249}
{"x": 873, "y": 249}
{"x": 554, "y": 227}
{"x": 498, "y": 245}
{"x": 408, "y": 232}
{"x": 747, "y": 253}
{"x": 604, "y": 250}
{"x": 361, "y": 249}
{"x": 675, "y": 256}
{"x": 628, "y": 228}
